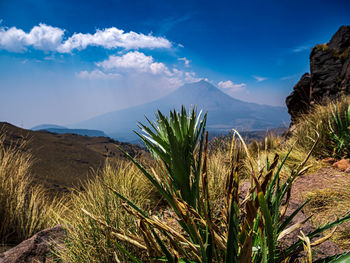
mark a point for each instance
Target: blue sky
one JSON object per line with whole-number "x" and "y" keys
{"x": 66, "y": 61}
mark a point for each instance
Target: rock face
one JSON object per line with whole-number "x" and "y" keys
{"x": 35, "y": 249}
{"x": 299, "y": 100}
{"x": 329, "y": 76}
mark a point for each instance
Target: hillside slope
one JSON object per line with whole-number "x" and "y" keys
{"x": 64, "y": 160}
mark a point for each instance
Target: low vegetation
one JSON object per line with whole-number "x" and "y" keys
{"x": 87, "y": 240}
{"x": 328, "y": 203}
{"x": 248, "y": 230}
{"x": 198, "y": 201}
{"x": 25, "y": 208}
{"x": 331, "y": 124}
{"x": 322, "y": 47}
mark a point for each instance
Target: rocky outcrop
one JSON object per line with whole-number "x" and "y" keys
{"x": 329, "y": 76}
{"x": 35, "y": 249}
{"x": 299, "y": 100}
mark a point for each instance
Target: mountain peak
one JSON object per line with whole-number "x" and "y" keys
{"x": 197, "y": 89}
{"x": 200, "y": 85}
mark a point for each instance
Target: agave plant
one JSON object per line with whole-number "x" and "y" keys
{"x": 172, "y": 142}
{"x": 339, "y": 128}
{"x": 249, "y": 230}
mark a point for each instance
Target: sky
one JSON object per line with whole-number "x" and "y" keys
{"x": 64, "y": 61}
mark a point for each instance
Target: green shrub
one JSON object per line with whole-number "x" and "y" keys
{"x": 172, "y": 143}
{"x": 339, "y": 127}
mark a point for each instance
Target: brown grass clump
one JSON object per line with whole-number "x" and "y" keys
{"x": 317, "y": 121}
{"x": 331, "y": 202}
{"x": 260, "y": 150}
{"x": 24, "y": 207}
{"x": 87, "y": 240}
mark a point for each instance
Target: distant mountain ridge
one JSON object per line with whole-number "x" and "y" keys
{"x": 62, "y": 130}
{"x": 224, "y": 112}
{"x": 47, "y": 126}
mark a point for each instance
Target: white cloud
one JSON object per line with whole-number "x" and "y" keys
{"x": 233, "y": 87}
{"x": 181, "y": 77}
{"x": 137, "y": 64}
{"x": 97, "y": 74}
{"x": 289, "y": 77}
{"x": 185, "y": 60}
{"x": 134, "y": 61}
{"x": 259, "y": 79}
{"x": 113, "y": 38}
{"x": 48, "y": 38}
{"x": 42, "y": 37}
{"x": 300, "y": 49}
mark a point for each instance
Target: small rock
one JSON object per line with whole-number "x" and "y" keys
{"x": 347, "y": 170}
{"x": 36, "y": 248}
{"x": 342, "y": 165}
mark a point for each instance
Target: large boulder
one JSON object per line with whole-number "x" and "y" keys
{"x": 37, "y": 248}
{"x": 329, "y": 76}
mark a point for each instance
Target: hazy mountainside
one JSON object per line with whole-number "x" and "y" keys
{"x": 224, "y": 112}
{"x": 61, "y": 130}
{"x": 47, "y": 126}
{"x": 64, "y": 160}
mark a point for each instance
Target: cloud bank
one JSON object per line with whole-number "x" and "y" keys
{"x": 42, "y": 37}
{"x": 48, "y": 38}
{"x": 135, "y": 62}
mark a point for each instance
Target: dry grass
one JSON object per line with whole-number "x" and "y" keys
{"x": 317, "y": 121}
{"x": 24, "y": 207}
{"x": 218, "y": 168}
{"x": 259, "y": 151}
{"x": 219, "y": 165}
{"x": 87, "y": 240}
{"x": 331, "y": 202}
{"x": 334, "y": 199}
